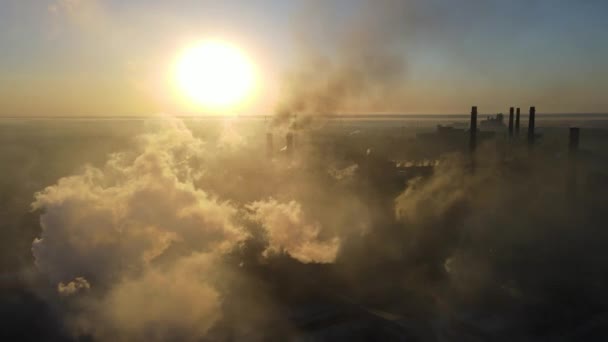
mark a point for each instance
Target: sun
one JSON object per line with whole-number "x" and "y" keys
{"x": 214, "y": 75}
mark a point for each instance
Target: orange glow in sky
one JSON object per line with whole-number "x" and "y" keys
{"x": 214, "y": 75}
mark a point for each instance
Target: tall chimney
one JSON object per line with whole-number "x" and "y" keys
{"x": 517, "y": 120}
{"x": 473, "y": 129}
{"x": 289, "y": 144}
{"x": 269, "y": 145}
{"x": 531, "y": 118}
{"x": 511, "y": 121}
{"x": 574, "y": 139}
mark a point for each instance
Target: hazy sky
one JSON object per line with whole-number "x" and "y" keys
{"x": 114, "y": 57}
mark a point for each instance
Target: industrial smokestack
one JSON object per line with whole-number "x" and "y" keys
{"x": 289, "y": 144}
{"x": 511, "y": 111}
{"x": 269, "y": 145}
{"x": 531, "y": 119}
{"x": 473, "y": 129}
{"x": 517, "y": 120}
{"x": 574, "y": 139}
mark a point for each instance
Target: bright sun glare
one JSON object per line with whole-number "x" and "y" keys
{"x": 215, "y": 75}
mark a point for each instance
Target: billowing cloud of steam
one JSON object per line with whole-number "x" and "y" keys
{"x": 173, "y": 302}
{"x": 137, "y": 241}
{"x": 478, "y": 230}
{"x": 124, "y": 216}
{"x": 148, "y": 246}
{"x": 289, "y": 232}
{"x": 111, "y": 227}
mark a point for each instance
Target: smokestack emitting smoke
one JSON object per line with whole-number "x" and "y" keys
{"x": 473, "y": 129}
{"x": 531, "y": 119}
{"x": 511, "y": 121}
{"x": 517, "y": 120}
{"x": 364, "y": 68}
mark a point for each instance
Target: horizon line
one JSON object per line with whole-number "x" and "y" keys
{"x": 260, "y": 116}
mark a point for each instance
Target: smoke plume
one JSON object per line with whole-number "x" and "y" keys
{"x": 138, "y": 241}
{"x": 356, "y": 63}
{"x": 288, "y": 231}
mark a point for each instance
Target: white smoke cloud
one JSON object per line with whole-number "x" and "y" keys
{"x": 146, "y": 246}
{"x": 230, "y": 137}
{"x": 173, "y": 303}
{"x": 110, "y": 229}
{"x": 289, "y": 231}
{"x": 140, "y": 242}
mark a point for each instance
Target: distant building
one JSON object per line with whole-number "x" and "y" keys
{"x": 493, "y": 123}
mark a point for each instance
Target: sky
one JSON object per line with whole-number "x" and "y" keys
{"x": 115, "y": 57}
